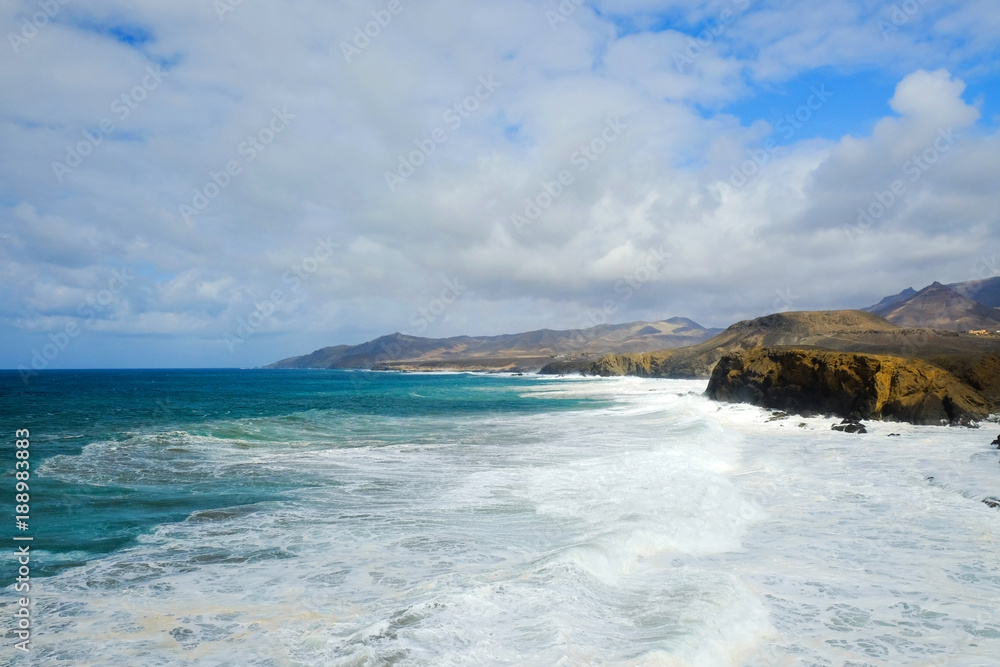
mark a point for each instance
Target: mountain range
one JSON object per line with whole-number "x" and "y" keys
{"x": 839, "y": 330}
{"x": 509, "y": 352}
{"x": 918, "y": 323}
{"x": 957, "y": 307}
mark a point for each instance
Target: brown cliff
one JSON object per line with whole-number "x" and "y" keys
{"x": 846, "y": 384}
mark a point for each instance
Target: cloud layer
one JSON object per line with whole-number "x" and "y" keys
{"x": 266, "y": 180}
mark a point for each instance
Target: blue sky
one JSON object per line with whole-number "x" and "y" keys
{"x": 199, "y": 184}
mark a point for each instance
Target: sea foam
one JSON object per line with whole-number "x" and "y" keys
{"x": 661, "y": 529}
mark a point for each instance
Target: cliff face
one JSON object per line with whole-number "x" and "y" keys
{"x": 846, "y": 384}
{"x": 979, "y": 371}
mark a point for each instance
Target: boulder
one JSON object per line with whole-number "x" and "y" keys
{"x": 849, "y": 426}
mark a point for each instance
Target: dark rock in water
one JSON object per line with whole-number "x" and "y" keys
{"x": 863, "y": 386}
{"x": 992, "y": 502}
{"x": 777, "y": 416}
{"x": 850, "y": 426}
{"x": 996, "y": 443}
{"x": 803, "y": 425}
{"x": 893, "y": 435}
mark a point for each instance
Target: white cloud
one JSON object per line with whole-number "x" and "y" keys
{"x": 323, "y": 177}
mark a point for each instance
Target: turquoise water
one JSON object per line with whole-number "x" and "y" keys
{"x": 144, "y": 421}
{"x": 273, "y": 518}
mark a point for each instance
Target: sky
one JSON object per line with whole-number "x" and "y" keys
{"x": 225, "y": 183}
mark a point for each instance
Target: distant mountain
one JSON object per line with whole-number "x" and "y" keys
{"x": 890, "y": 302}
{"x": 943, "y": 307}
{"x": 524, "y": 351}
{"x": 840, "y": 330}
{"x": 821, "y": 329}
{"x": 986, "y": 292}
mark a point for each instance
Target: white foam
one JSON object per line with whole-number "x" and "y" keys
{"x": 662, "y": 530}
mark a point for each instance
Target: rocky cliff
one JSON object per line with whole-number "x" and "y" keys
{"x": 863, "y": 386}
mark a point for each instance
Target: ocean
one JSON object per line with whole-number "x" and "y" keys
{"x": 252, "y": 517}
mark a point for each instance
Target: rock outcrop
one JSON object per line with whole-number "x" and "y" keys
{"x": 849, "y": 426}
{"x": 846, "y": 384}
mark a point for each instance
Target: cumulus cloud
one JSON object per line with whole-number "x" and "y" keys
{"x": 336, "y": 165}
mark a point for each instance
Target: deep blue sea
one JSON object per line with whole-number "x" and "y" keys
{"x": 251, "y": 517}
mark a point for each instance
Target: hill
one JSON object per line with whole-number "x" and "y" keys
{"x": 523, "y": 352}
{"x": 840, "y": 330}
